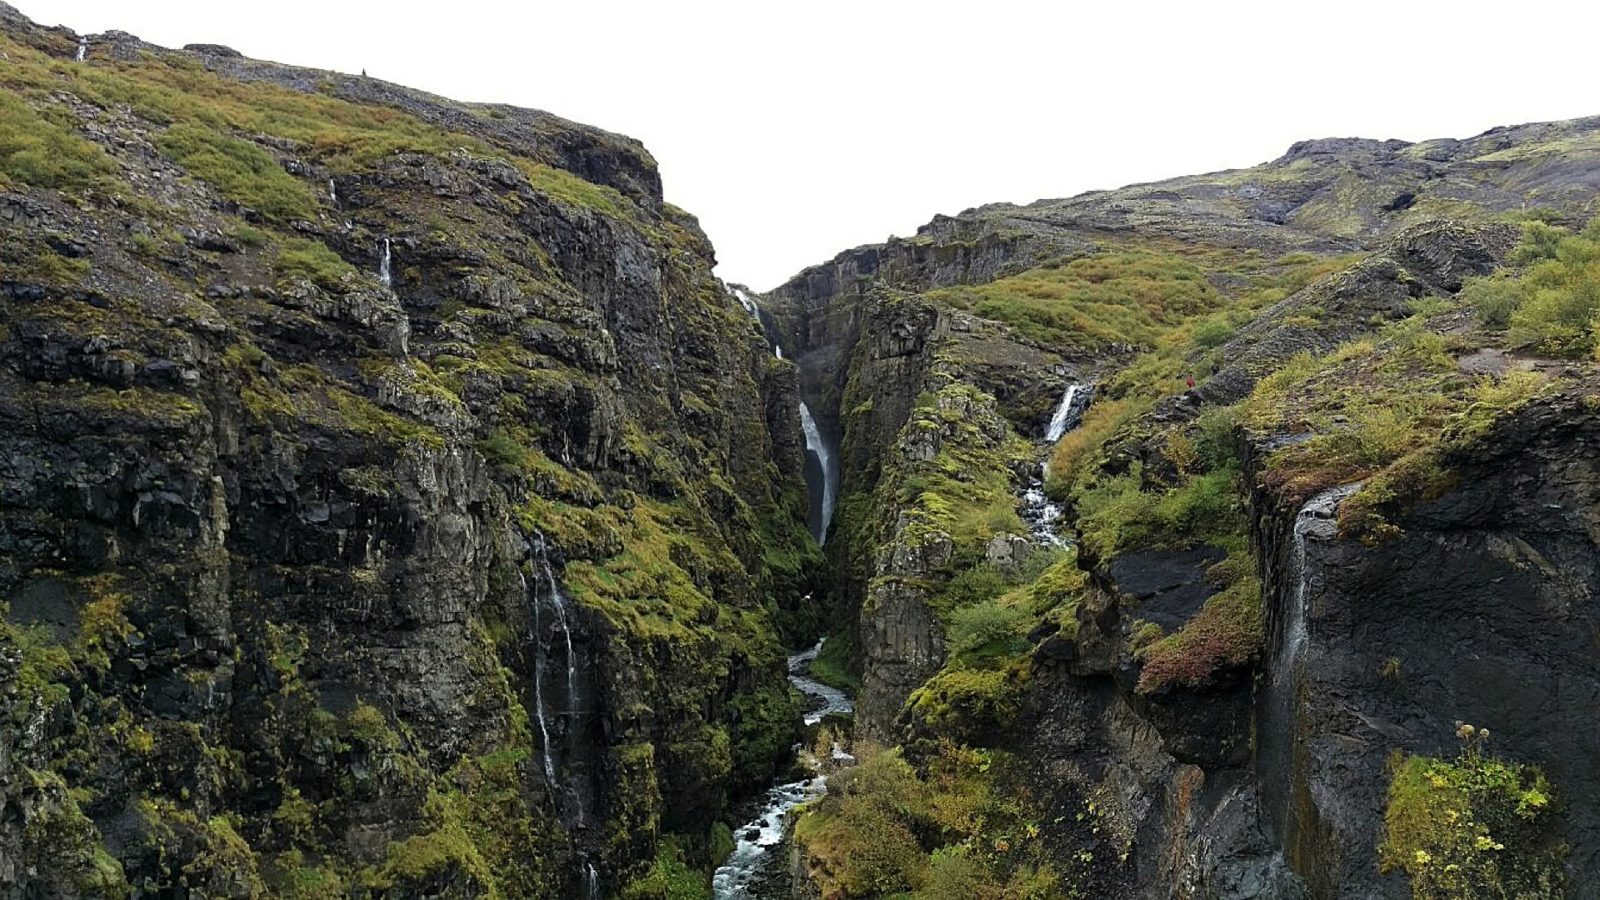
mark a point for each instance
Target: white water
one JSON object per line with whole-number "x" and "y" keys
{"x": 1064, "y": 420}
{"x": 1315, "y": 519}
{"x": 591, "y": 882}
{"x": 1040, "y": 515}
{"x": 83, "y": 49}
{"x": 333, "y": 192}
{"x": 538, "y": 690}
{"x": 383, "y": 266}
{"x": 754, "y": 842}
{"x": 830, "y": 470}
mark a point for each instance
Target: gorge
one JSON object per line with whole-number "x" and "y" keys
{"x": 394, "y": 503}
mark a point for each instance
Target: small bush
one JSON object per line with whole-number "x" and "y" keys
{"x": 1475, "y": 827}
{"x": 36, "y": 150}
{"x": 1212, "y": 331}
{"x": 985, "y": 629}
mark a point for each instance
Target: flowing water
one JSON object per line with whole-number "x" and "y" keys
{"x": 826, "y": 493}
{"x": 83, "y": 49}
{"x": 383, "y": 266}
{"x": 538, "y": 689}
{"x": 753, "y": 858}
{"x": 816, "y": 446}
{"x": 1038, "y": 513}
{"x": 1068, "y": 412}
{"x": 1316, "y": 520}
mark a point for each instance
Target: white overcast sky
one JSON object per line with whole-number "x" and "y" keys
{"x": 797, "y": 130}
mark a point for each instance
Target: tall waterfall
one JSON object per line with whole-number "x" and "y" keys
{"x": 1067, "y": 413}
{"x": 830, "y": 470}
{"x": 591, "y": 882}
{"x": 545, "y": 597}
{"x": 383, "y": 266}
{"x": 538, "y": 688}
{"x": 815, "y": 445}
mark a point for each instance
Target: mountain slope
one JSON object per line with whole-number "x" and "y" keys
{"x": 1289, "y": 578}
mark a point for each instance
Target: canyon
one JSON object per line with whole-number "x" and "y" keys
{"x": 394, "y": 503}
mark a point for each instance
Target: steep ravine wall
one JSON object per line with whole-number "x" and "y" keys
{"x": 1481, "y": 610}
{"x": 268, "y": 526}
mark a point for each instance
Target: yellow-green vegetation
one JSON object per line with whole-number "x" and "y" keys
{"x": 42, "y": 151}
{"x": 1550, "y": 297}
{"x": 312, "y": 260}
{"x": 1183, "y": 345}
{"x": 1387, "y": 409}
{"x": 1114, "y": 297}
{"x": 1475, "y": 826}
{"x": 568, "y": 188}
{"x": 965, "y": 491}
{"x": 241, "y": 170}
{"x": 670, "y": 877}
{"x": 965, "y": 827}
{"x": 209, "y": 120}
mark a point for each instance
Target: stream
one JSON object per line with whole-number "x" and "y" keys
{"x": 753, "y": 865}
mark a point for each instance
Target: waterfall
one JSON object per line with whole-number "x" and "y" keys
{"x": 559, "y": 601}
{"x": 333, "y": 192}
{"x": 1067, "y": 413}
{"x": 830, "y": 470}
{"x": 826, "y": 463}
{"x": 383, "y": 266}
{"x": 1278, "y": 732}
{"x": 591, "y": 882}
{"x": 83, "y": 49}
{"x": 538, "y": 688}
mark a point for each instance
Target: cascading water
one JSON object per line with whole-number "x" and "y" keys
{"x": 548, "y": 594}
{"x": 591, "y": 882}
{"x": 1277, "y": 734}
{"x": 383, "y": 266}
{"x": 333, "y": 192}
{"x": 1068, "y": 412}
{"x": 1037, "y": 511}
{"x": 816, "y": 446}
{"x": 83, "y": 50}
{"x": 825, "y": 493}
{"x": 752, "y": 859}
{"x": 538, "y": 688}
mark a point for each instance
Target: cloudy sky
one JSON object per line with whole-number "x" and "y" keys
{"x": 797, "y": 130}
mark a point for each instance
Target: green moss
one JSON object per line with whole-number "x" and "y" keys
{"x": 567, "y": 188}
{"x": 312, "y": 260}
{"x": 39, "y": 150}
{"x": 832, "y": 665}
{"x": 669, "y": 877}
{"x": 239, "y": 170}
{"x": 1474, "y": 827}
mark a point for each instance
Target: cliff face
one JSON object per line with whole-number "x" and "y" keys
{"x": 1292, "y": 585}
{"x": 391, "y": 501}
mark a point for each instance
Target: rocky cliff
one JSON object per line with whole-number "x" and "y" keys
{"x": 391, "y": 501}
{"x": 1299, "y": 591}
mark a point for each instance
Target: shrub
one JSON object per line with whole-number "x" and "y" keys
{"x": 1475, "y": 827}
{"x": 1212, "y": 331}
{"x": 1226, "y": 632}
{"x": 984, "y": 630}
